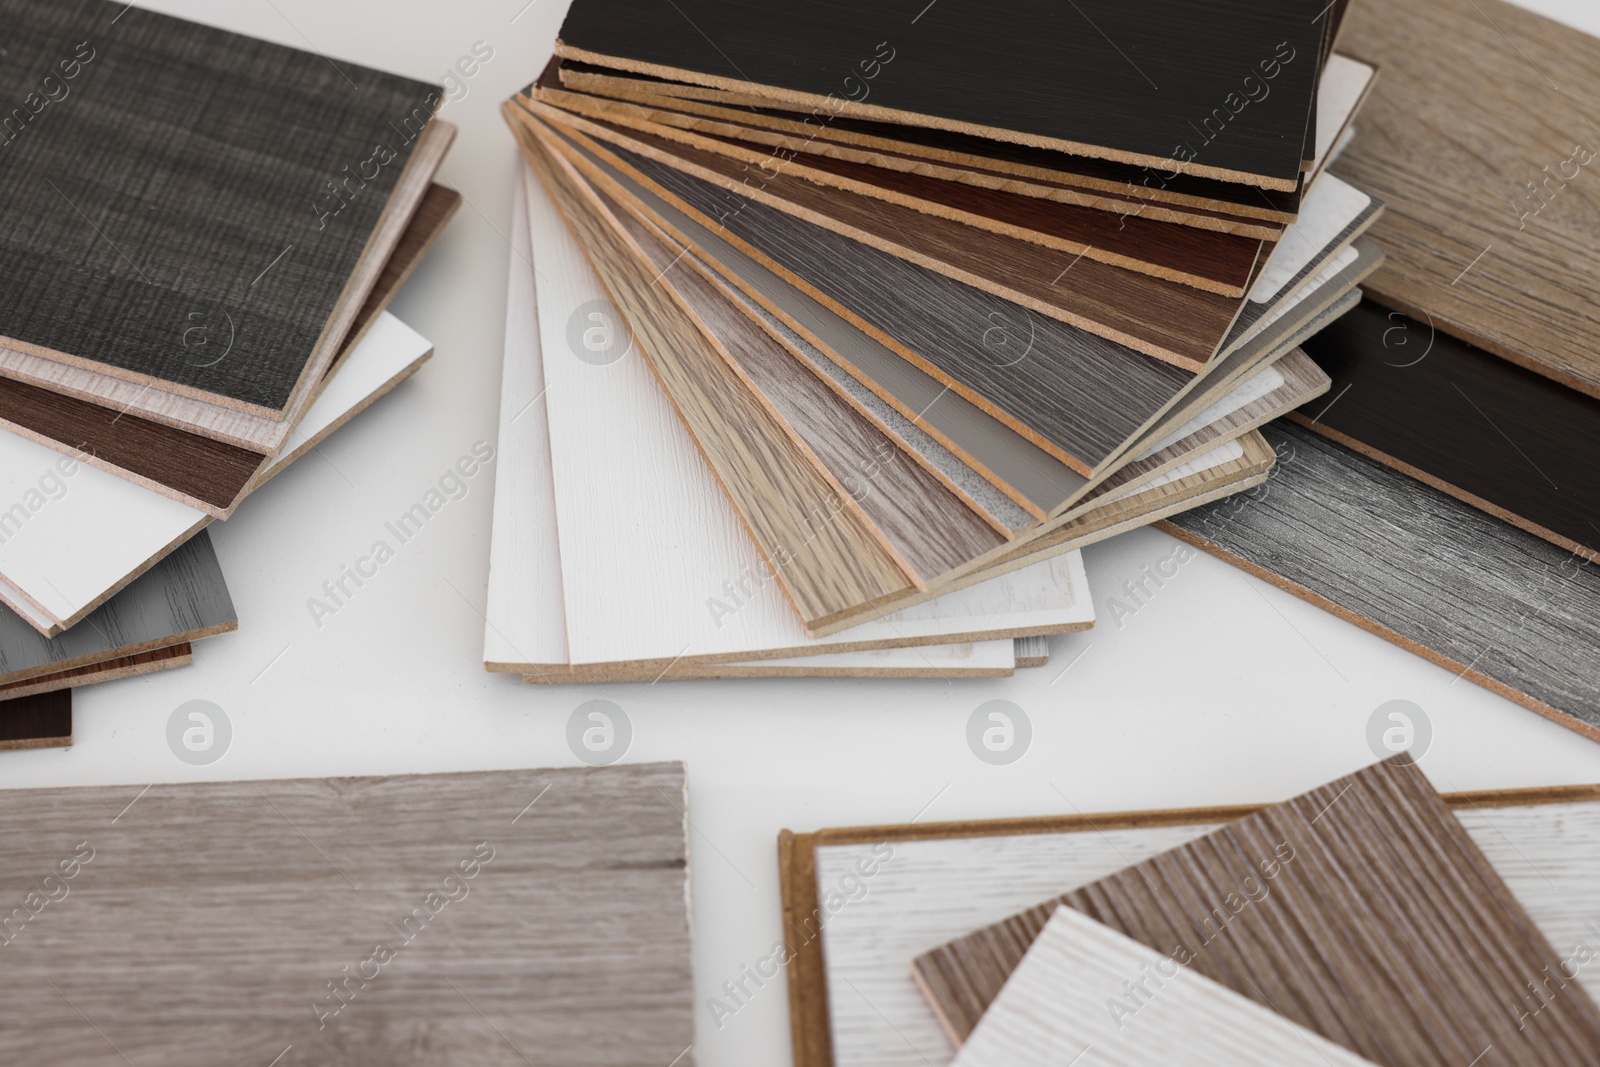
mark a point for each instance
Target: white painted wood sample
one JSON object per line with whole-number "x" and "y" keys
{"x": 1330, "y": 206}
{"x": 86, "y": 534}
{"x": 1345, "y": 82}
{"x": 926, "y": 893}
{"x": 1085, "y": 992}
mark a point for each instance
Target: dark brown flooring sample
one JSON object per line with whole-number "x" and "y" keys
{"x": 40, "y": 721}
{"x": 1500, "y": 437}
{"x": 175, "y": 165}
{"x": 158, "y": 659}
{"x": 1101, "y": 78}
{"x": 1361, "y": 910}
{"x": 1484, "y": 145}
{"x": 207, "y": 474}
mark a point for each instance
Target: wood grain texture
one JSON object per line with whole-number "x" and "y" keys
{"x": 160, "y": 659}
{"x": 40, "y": 721}
{"x": 191, "y": 160}
{"x": 1216, "y": 261}
{"x": 1069, "y": 997}
{"x": 1489, "y": 433}
{"x": 182, "y": 598}
{"x": 854, "y": 1002}
{"x": 1486, "y": 173}
{"x": 1032, "y": 651}
{"x": 1440, "y": 578}
{"x": 1322, "y": 909}
{"x": 523, "y": 916}
{"x": 1078, "y": 93}
{"x": 1165, "y": 320}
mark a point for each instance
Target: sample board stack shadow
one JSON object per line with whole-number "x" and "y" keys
{"x": 199, "y": 235}
{"x": 831, "y": 363}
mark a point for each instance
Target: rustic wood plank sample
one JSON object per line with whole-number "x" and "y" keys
{"x": 194, "y": 469}
{"x": 1055, "y": 1007}
{"x": 1440, "y": 578}
{"x": 204, "y": 188}
{"x": 519, "y": 916}
{"x": 1077, "y": 93}
{"x": 182, "y": 598}
{"x": 1216, "y": 261}
{"x": 853, "y": 1001}
{"x": 159, "y": 659}
{"x": 75, "y": 535}
{"x": 1492, "y": 229}
{"x": 1490, "y": 433}
{"x": 40, "y": 721}
{"x": 1324, "y": 908}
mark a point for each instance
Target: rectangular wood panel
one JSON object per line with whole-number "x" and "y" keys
{"x": 42, "y": 720}
{"x": 501, "y": 918}
{"x": 1324, "y": 909}
{"x": 160, "y": 659}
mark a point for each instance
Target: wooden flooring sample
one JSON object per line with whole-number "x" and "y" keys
{"x": 193, "y": 469}
{"x": 500, "y": 918}
{"x": 1502, "y": 438}
{"x": 182, "y": 598}
{"x": 852, "y": 997}
{"x": 1323, "y": 909}
{"x": 1400, "y": 559}
{"x": 1079, "y": 92}
{"x": 40, "y": 721}
{"x": 196, "y": 173}
{"x": 1084, "y": 988}
{"x": 160, "y": 659}
{"x": 1480, "y": 144}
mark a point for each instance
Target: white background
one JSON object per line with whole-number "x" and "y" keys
{"x": 1222, "y": 690}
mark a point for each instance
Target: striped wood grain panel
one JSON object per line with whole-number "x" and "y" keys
{"x": 855, "y": 1004}
{"x": 530, "y": 916}
{"x": 827, "y": 562}
{"x": 959, "y": 70}
{"x": 43, "y": 720}
{"x": 1440, "y": 578}
{"x": 1494, "y": 435}
{"x": 1361, "y": 910}
{"x": 1084, "y": 988}
{"x": 1032, "y": 651}
{"x": 160, "y": 659}
{"x": 1483, "y": 143}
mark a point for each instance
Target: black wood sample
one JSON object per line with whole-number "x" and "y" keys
{"x": 40, "y": 721}
{"x": 1499, "y": 436}
{"x": 157, "y": 176}
{"x": 181, "y": 598}
{"x": 1132, "y": 82}
{"x": 1476, "y": 595}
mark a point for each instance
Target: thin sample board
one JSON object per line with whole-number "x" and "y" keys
{"x": 181, "y": 598}
{"x": 1482, "y": 143}
{"x": 156, "y": 196}
{"x": 1514, "y": 443}
{"x": 110, "y": 670}
{"x": 1322, "y": 909}
{"x": 1070, "y": 996}
{"x": 42, "y": 720}
{"x": 956, "y": 69}
{"x": 499, "y": 918}
{"x": 1476, "y": 595}
{"x": 853, "y": 1001}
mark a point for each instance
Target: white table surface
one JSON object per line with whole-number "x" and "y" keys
{"x": 1222, "y": 690}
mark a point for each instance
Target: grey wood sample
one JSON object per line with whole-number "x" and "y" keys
{"x": 181, "y": 598}
{"x": 158, "y": 176}
{"x": 1476, "y": 595}
{"x": 496, "y": 919}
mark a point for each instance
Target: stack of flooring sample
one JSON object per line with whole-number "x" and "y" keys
{"x": 1292, "y": 926}
{"x": 201, "y": 233}
{"x": 884, "y": 365}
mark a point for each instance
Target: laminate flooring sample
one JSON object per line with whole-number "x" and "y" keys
{"x": 110, "y": 670}
{"x": 42, "y": 720}
{"x": 1079, "y": 92}
{"x": 1476, "y": 595}
{"x": 1482, "y": 143}
{"x": 182, "y": 598}
{"x": 1514, "y": 443}
{"x": 1085, "y": 989}
{"x": 195, "y": 172}
{"x": 1324, "y": 909}
{"x": 500, "y": 918}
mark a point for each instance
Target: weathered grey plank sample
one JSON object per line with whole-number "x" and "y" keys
{"x": 496, "y": 919}
{"x": 1505, "y": 608}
